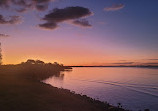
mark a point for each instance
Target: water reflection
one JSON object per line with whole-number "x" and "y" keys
{"x": 135, "y": 88}
{"x": 58, "y": 79}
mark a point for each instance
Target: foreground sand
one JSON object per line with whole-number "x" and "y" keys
{"x": 21, "y": 90}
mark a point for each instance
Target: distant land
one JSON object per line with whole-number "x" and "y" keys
{"x": 120, "y": 66}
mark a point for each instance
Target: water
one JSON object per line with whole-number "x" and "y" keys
{"x": 135, "y": 88}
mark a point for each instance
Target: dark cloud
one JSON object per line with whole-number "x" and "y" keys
{"x": 4, "y": 3}
{"x": 114, "y": 7}
{"x": 52, "y": 19}
{"x": 68, "y": 13}
{"x": 23, "y": 5}
{"x": 124, "y": 63}
{"x": 3, "y": 35}
{"x": 151, "y": 63}
{"x": 42, "y": 1}
{"x": 9, "y": 20}
{"x": 41, "y": 7}
{"x": 21, "y": 10}
{"x": 152, "y": 59}
{"x": 48, "y": 25}
{"x": 60, "y": 15}
{"x": 82, "y": 23}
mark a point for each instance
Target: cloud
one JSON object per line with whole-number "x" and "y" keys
{"x": 114, "y": 7}
{"x": 122, "y": 60}
{"x": 57, "y": 16}
{"x": 10, "y": 19}
{"x": 21, "y": 10}
{"x": 3, "y": 35}
{"x": 4, "y": 3}
{"x": 41, "y": 7}
{"x": 153, "y": 59}
{"x": 151, "y": 63}
{"x": 48, "y": 26}
{"x": 82, "y": 23}
{"x": 124, "y": 63}
{"x": 74, "y": 14}
{"x": 24, "y": 5}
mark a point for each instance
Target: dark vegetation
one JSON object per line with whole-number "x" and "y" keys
{"x": 21, "y": 89}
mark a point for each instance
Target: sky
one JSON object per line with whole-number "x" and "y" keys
{"x": 80, "y": 32}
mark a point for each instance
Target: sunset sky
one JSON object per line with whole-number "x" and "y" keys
{"x": 80, "y": 32}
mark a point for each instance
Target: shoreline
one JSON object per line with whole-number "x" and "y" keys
{"x": 21, "y": 89}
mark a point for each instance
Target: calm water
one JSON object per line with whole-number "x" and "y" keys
{"x": 135, "y": 88}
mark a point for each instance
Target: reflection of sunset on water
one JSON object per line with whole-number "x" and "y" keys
{"x": 135, "y": 88}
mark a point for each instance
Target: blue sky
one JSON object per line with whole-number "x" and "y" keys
{"x": 126, "y": 32}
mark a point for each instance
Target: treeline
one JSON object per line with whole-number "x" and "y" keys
{"x": 36, "y": 69}
{"x": 39, "y": 62}
{"x": 39, "y": 70}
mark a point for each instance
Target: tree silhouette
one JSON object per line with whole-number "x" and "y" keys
{"x": 39, "y": 62}
{"x": 30, "y": 61}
